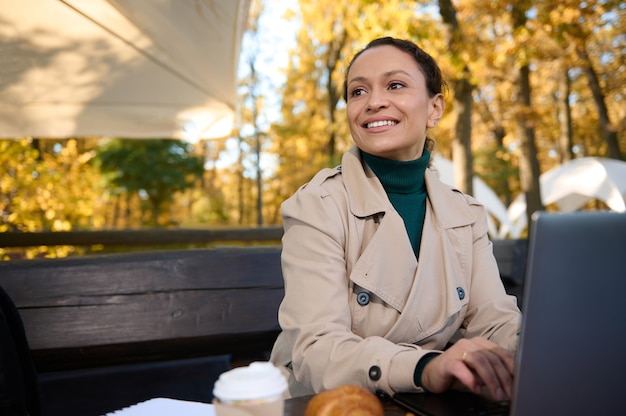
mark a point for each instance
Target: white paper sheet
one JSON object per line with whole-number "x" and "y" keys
{"x": 169, "y": 407}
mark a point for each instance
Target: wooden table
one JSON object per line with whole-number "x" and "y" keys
{"x": 296, "y": 406}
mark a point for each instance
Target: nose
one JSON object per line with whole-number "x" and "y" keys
{"x": 377, "y": 100}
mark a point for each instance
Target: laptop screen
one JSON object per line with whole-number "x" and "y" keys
{"x": 572, "y": 356}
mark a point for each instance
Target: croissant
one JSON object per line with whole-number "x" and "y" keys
{"x": 346, "y": 400}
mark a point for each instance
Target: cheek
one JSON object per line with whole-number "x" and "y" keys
{"x": 352, "y": 113}
{"x": 421, "y": 106}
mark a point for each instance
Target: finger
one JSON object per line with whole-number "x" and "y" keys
{"x": 490, "y": 370}
{"x": 465, "y": 375}
{"x": 483, "y": 372}
{"x": 446, "y": 370}
{"x": 507, "y": 357}
{"x": 504, "y": 374}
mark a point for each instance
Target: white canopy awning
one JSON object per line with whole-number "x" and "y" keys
{"x": 121, "y": 68}
{"x": 571, "y": 185}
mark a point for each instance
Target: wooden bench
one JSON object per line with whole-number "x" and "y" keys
{"x": 511, "y": 257}
{"x": 111, "y": 330}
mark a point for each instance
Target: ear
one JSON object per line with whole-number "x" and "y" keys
{"x": 435, "y": 111}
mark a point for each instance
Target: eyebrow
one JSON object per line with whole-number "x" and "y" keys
{"x": 386, "y": 75}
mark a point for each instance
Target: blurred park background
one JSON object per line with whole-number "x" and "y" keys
{"x": 533, "y": 85}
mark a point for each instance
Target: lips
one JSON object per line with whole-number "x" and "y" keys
{"x": 380, "y": 123}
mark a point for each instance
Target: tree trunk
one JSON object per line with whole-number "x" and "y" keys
{"x": 529, "y": 164}
{"x": 500, "y": 133}
{"x": 332, "y": 91}
{"x": 240, "y": 179}
{"x": 565, "y": 119}
{"x": 609, "y": 132}
{"x": 259, "y": 178}
{"x": 462, "y": 142}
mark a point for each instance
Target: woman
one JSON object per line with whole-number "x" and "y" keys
{"x": 383, "y": 263}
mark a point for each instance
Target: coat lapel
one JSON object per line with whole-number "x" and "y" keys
{"x": 439, "y": 276}
{"x": 444, "y": 200}
{"x": 387, "y": 265}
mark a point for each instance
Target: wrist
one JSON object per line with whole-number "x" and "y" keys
{"x": 419, "y": 369}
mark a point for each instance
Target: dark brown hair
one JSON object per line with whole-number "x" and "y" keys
{"x": 434, "y": 81}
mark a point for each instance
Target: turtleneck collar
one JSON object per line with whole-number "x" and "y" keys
{"x": 399, "y": 177}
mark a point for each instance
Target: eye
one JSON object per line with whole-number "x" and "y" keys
{"x": 356, "y": 92}
{"x": 396, "y": 85}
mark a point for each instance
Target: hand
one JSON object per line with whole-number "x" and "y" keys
{"x": 473, "y": 363}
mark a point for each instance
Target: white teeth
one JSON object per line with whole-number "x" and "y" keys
{"x": 381, "y": 123}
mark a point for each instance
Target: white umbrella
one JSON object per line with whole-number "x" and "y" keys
{"x": 573, "y": 184}
{"x": 125, "y": 68}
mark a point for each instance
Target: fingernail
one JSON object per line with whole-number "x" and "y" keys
{"x": 499, "y": 394}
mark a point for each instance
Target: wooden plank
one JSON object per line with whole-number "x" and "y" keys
{"x": 140, "y": 237}
{"x": 102, "y": 320}
{"x": 503, "y": 251}
{"x": 84, "y": 280}
{"x": 244, "y": 346}
{"x": 511, "y": 257}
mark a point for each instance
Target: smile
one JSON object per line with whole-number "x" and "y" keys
{"x": 381, "y": 123}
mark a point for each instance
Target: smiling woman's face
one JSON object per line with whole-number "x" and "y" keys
{"x": 388, "y": 106}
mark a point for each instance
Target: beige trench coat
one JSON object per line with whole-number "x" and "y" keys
{"x": 357, "y": 308}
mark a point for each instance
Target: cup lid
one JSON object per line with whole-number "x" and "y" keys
{"x": 258, "y": 380}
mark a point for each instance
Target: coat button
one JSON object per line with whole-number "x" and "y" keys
{"x": 460, "y": 292}
{"x": 374, "y": 372}
{"x": 363, "y": 298}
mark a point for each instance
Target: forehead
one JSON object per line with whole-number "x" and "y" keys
{"x": 381, "y": 60}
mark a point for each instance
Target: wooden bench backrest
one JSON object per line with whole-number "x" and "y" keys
{"x": 199, "y": 301}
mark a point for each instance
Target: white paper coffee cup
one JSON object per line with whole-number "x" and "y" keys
{"x": 258, "y": 383}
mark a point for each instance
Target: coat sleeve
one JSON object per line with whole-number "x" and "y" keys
{"x": 492, "y": 313}
{"x": 315, "y": 314}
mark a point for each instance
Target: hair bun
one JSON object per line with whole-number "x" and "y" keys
{"x": 346, "y": 400}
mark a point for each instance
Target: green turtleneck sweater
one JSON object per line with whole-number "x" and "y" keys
{"x": 406, "y": 188}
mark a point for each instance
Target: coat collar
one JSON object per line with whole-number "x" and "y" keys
{"x": 367, "y": 195}
{"x": 365, "y": 192}
{"x": 450, "y": 206}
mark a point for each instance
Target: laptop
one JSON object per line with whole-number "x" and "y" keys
{"x": 571, "y": 358}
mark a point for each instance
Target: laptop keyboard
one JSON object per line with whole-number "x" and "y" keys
{"x": 490, "y": 409}
{"x": 451, "y": 403}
